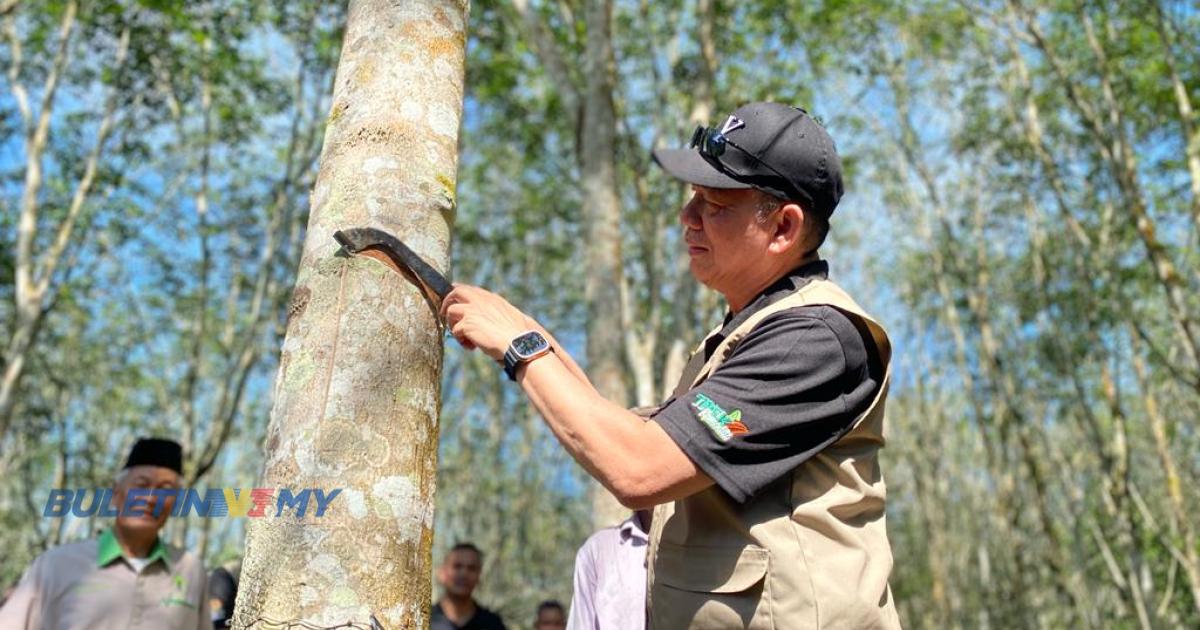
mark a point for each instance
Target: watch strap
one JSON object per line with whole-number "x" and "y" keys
{"x": 510, "y": 364}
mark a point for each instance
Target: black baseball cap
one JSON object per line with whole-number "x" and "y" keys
{"x": 776, "y": 148}
{"x": 156, "y": 452}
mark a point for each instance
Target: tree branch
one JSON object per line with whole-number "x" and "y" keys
{"x": 83, "y": 186}
{"x": 542, "y": 42}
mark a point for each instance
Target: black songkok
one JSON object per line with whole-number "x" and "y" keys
{"x": 156, "y": 452}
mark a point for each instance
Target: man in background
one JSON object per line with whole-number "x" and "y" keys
{"x": 222, "y": 592}
{"x": 457, "y": 609}
{"x": 610, "y": 577}
{"x": 550, "y": 616}
{"x": 128, "y": 578}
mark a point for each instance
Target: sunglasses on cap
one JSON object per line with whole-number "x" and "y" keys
{"x": 712, "y": 144}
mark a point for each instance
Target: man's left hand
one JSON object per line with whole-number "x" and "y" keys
{"x": 481, "y": 319}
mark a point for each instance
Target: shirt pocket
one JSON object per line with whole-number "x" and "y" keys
{"x": 714, "y": 588}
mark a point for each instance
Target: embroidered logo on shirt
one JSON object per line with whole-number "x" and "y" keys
{"x": 179, "y": 596}
{"x": 723, "y": 424}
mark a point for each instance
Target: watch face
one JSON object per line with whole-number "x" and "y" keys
{"x": 529, "y": 344}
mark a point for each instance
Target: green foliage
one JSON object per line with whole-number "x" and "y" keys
{"x": 1044, "y": 386}
{"x": 144, "y": 331}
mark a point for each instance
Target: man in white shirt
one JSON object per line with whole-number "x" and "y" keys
{"x": 610, "y": 578}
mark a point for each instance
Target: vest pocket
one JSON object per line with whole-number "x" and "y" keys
{"x": 710, "y": 587}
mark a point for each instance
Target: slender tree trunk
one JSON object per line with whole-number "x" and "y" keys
{"x": 704, "y": 103}
{"x": 928, "y": 471}
{"x": 62, "y": 466}
{"x": 1180, "y": 519}
{"x": 1183, "y": 102}
{"x": 596, "y": 121}
{"x": 357, "y": 396}
{"x": 243, "y": 344}
{"x": 695, "y": 300}
{"x": 34, "y": 271}
{"x": 602, "y": 211}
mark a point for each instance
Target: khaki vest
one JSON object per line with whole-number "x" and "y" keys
{"x": 808, "y": 551}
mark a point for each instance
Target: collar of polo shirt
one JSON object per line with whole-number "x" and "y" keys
{"x": 108, "y": 550}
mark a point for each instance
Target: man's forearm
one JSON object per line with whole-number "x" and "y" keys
{"x": 603, "y": 437}
{"x": 636, "y": 460}
{"x": 566, "y": 359}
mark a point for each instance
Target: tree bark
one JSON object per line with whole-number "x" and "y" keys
{"x": 357, "y": 396}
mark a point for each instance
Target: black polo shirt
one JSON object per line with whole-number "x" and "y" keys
{"x": 483, "y": 619}
{"x": 792, "y": 386}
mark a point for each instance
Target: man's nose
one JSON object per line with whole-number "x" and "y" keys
{"x": 689, "y": 214}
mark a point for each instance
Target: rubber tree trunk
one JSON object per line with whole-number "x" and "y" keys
{"x": 602, "y": 212}
{"x": 357, "y": 396}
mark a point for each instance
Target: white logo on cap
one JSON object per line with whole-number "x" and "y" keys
{"x": 731, "y": 123}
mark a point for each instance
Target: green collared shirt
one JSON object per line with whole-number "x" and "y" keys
{"x": 108, "y": 550}
{"x": 92, "y": 584}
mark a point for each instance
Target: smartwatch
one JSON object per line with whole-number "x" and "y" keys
{"x": 524, "y": 348}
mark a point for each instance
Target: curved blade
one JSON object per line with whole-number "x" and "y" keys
{"x": 393, "y": 252}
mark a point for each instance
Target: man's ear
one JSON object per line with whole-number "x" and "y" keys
{"x": 789, "y": 228}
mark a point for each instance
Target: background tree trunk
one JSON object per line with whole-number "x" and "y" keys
{"x": 602, "y": 213}
{"x": 35, "y": 267}
{"x": 357, "y": 396}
